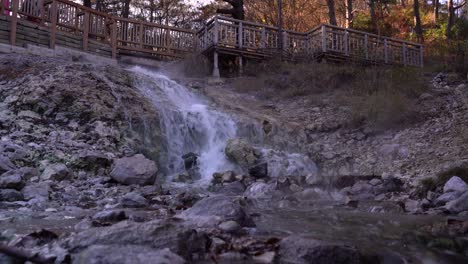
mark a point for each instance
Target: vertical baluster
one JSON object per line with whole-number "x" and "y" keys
{"x": 114, "y": 38}
{"x": 241, "y": 36}
{"x": 346, "y": 42}
{"x": 85, "y": 30}
{"x": 263, "y": 38}
{"x": 421, "y": 56}
{"x": 14, "y": 21}
{"x": 386, "y": 51}
{"x": 141, "y": 35}
{"x": 366, "y": 45}
{"x": 404, "y": 53}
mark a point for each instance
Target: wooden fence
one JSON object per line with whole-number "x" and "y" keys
{"x": 328, "y": 40}
{"x": 119, "y": 33}
{"x": 123, "y": 35}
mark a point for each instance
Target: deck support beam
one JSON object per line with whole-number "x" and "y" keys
{"x": 53, "y": 24}
{"x": 241, "y": 65}
{"x": 216, "y": 65}
{"x": 14, "y": 21}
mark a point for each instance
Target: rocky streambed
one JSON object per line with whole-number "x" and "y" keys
{"x": 111, "y": 164}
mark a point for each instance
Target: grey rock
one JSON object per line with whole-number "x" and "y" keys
{"x": 157, "y": 234}
{"x": 458, "y": 205}
{"x": 230, "y": 226}
{"x": 241, "y": 152}
{"x": 300, "y": 250}
{"x": 259, "y": 190}
{"x": 446, "y": 197}
{"x": 36, "y": 190}
{"x": 57, "y": 172}
{"x": 133, "y": 199}
{"x": 126, "y": 254}
{"x": 110, "y": 216}
{"x": 134, "y": 170}
{"x": 215, "y": 209}
{"x": 102, "y": 130}
{"x": 11, "y": 180}
{"x": 224, "y": 177}
{"x": 6, "y": 164}
{"x": 13, "y": 151}
{"x": 29, "y": 115}
{"x": 92, "y": 160}
{"x": 10, "y": 195}
{"x": 455, "y": 184}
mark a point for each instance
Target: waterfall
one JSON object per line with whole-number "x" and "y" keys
{"x": 189, "y": 123}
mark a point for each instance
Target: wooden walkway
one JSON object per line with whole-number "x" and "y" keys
{"x": 51, "y": 22}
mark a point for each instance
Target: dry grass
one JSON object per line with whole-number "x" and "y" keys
{"x": 380, "y": 97}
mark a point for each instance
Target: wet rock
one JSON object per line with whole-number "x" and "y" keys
{"x": 157, "y": 234}
{"x": 267, "y": 257}
{"x": 230, "y": 226}
{"x": 259, "y": 190}
{"x": 29, "y": 115}
{"x": 233, "y": 188}
{"x": 133, "y": 200}
{"x": 126, "y": 254}
{"x": 182, "y": 177}
{"x": 190, "y": 160}
{"x": 215, "y": 209}
{"x": 10, "y": 195}
{"x": 11, "y": 180}
{"x": 110, "y": 216}
{"x": 57, "y": 172}
{"x": 134, "y": 170}
{"x": 296, "y": 249}
{"x": 455, "y": 184}
{"x": 223, "y": 177}
{"x": 6, "y": 164}
{"x": 458, "y": 205}
{"x": 241, "y": 152}
{"x": 259, "y": 170}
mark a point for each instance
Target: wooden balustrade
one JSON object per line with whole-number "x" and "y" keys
{"x": 241, "y": 37}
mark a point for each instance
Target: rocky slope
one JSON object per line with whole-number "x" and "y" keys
{"x": 80, "y": 180}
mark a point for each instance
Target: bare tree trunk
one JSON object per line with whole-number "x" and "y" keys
{"x": 126, "y": 9}
{"x": 87, "y": 3}
{"x": 373, "y": 16}
{"x": 451, "y": 18}
{"x": 417, "y": 21}
{"x": 349, "y": 13}
{"x": 331, "y": 12}
{"x": 436, "y": 11}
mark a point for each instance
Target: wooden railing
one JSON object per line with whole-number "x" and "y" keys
{"x": 324, "y": 39}
{"x": 130, "y": 35}
{"x": 119, "y": 33}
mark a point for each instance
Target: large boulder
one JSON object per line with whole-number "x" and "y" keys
{"x": 133, "y": 200}
{"x": 216, "y": 209}
{"x": 241, "y": 152}
{"x": 134, "y": 170}
{"x": 57, "y": 172}
{"x": 126, "y": 254}
{"x": 10, "y": 195}
{"x": 455, "y": 184}
{"x": 458, "y": 205}
{"x": 6, "y": 164}
{"x": 298, "y": 250}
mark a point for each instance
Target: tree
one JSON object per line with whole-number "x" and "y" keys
{"x": 451, "y": 16}
{"x": 331, "y": 12}
{"x": 349, "y": 13}
{"x": 436, "y": 11}
{"x": 237, "y": 10}
{"x": 417, "y": 21}
{"x": 373, "y": 16}
{"x": 126, "y": 9}
{"x": 87, "y": 3}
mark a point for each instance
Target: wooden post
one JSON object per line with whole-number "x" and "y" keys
{"x": 421, "y": 56}
{"x": 205, "y": 37}
{"x": 2, "y": 7}
{"x": 285, "y": 41}
{"x": 53, "y": 24}
{"x": 14, "y": 21}
{"x": 141, "y": 35}
{"x": 404, "y": 53}
{"x": 241, "y": 65}
{"x": 216, "y": 33}
{"x": 324, "y": 39}
{"x": 366, "y": 45}
{"x": 346, "y": 43}
{"x": 215, "y": 65}
{"x": 385, "y": 51}
{"x": 114, "y": 38}
{"x": 263, "y": 38}
{"x": 85, "y": 30}
{"x": 77, "y": 18}
{"x": 240, "y": 36}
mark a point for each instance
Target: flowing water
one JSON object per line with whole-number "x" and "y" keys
{"x": 192, "y": 124}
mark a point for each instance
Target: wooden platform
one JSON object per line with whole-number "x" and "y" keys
{"x": 65, "y": 23}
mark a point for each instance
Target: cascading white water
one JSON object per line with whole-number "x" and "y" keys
{"x": 189, "y": 124}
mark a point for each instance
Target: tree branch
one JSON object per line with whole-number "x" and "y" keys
{"x": 461, "y": 5}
